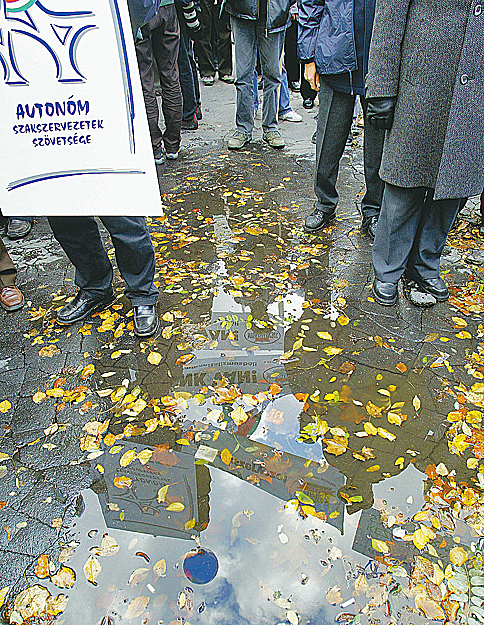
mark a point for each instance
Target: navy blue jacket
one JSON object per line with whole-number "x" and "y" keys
{"x": 277, "y": 11}
{"x": 336, "y": 35}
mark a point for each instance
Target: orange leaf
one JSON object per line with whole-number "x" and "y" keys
{"x": 226, "y": 457}
{"x": 122, "y": 481}
{"x": 401, "y": 367}
{"x": 275, "y": 389}
{"x": 41, "y": 569}
{"x": 183, "y": 360}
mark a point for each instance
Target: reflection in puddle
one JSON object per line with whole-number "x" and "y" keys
{"x": 283, "y": 452}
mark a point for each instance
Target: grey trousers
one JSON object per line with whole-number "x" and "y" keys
{"x": 80, "y": 239}
{"x": 334, "y": 122}
{"x": 411, "y": 233}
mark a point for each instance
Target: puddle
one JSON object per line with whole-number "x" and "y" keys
{"x": 283, "y": 452}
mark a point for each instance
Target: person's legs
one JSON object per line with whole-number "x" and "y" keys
{"x": 436, "y": 219}
{"x": 11, "y": 297}
{"x": 373, "y": 141}
{"x": 224, "y": 43}
{"x": 186, "y": 75}
{"x": 291, "y": 61}
{"x": 144, "y": 55}
{"x": 8, "y": 272}
{"x": 396, "y": 231}
{"x": 245, "y": 60}
{"x": 204, "y": 43}
{"x": 165, "y": 43}
{"x": 284, "y": 97}
{"x": 306, "y": 92}
{"x": 134, "y": 256}
{"x": 80, "y": 239}
{"x": 334, "y": 122}
{"x": 270, "y": 50}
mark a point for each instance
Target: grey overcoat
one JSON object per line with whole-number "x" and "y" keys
{"x": 429, "y": 54}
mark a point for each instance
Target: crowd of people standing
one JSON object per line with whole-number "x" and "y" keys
{"x": 417, "y": 67}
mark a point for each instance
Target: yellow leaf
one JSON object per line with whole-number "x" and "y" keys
{"x": 343, "y": 320}
{"x": 226, "y": 457}
{"x": 64, "y": 578}
{"x": 190, "y": 524}
{"x": 127, "y": 458}
{"x": 375, "y": 467}
{"x": 325, "y": 335}
{"x": 239, "y": 415}
{"x": 396, "y": 418}
{"x": 336, "y": 447}
{"x": 386, "y": 434}
{"x": 297, "y": 344}
{"x": 380, "y": 545}
{"x": 458, "y": 556}
{"x": 162, "y": 493}
{"x": 422, "y": 536}
{"x": 374, "y": 410}
{"x": 370, "y": 428}
{"x": 183, "y": 441}
{"x": 154, "y": 358}
{"x": 472, "y": 463}
{"x": 332, "y": 351}
{"x": 42, "y": 569}
{"x": 431, "y": 337}
{"x": 416, "y": 403}
{"x": 176, "y": 507}
{"x": 183, "y": 360}
{"x": 87, "y": 371}
{"x": 5, "y": 405}
{"x": 91, "y": 569}
{"x": 116, "y": 354}
{"x": 464, "y": 335}
{"x": 38, "y": 397}
{"x": 399, "y": 462}
{"x": 144, "y": 456}
{"x": 159, "y": 568}
{"x": 3, "y": 594}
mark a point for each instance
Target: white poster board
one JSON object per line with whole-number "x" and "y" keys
{"x": 73, "y": 124}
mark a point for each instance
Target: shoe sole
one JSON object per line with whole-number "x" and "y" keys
{"x": 231, "y": 147}
{"x": 98, "y": 308}
{"x": 14, "y": 307}
{"x": 275, "y": 147}
{"x": 326, "y": 225}
{"x": 383, "y": 302}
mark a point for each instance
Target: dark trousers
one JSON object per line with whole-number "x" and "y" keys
{"x": 214, "y": 41}
{"x": 187, "y": 69}
{"x": 8, "y": 273}
{"x": 334, "y": 123}
{"x": 411, "y": 233}
{"x": 81, "y": 241}
{"x": 160, "y": 43}
{"x": 294, "y": 69}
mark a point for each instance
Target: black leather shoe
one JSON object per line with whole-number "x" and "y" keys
{"x": 295, "y": 86}
{"x": 84, "y": 305}
{"x": 385, "y": 293}
{"x": 145, "y": 320}
{"x": 318, "y": 220}
{"x": 308, "y": 103}
{"x": 368, "y": 226}
{"x": 434, "y": 286}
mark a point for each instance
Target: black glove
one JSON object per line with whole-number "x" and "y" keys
{"x": 379, "y": 112}
{"x": 191, "y": 19}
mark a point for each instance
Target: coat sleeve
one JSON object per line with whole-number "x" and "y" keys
{"x": 310, "y": 14}
{"x": 386, "y": 48}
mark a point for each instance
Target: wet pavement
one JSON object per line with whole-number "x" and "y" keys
{"x": 284, "y": 451}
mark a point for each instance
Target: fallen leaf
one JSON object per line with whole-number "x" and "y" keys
{"x": 136, "y": 607}
{"x": 154, "y": 358}
{"x": 91, "y": 569}
{"x": 159, "y": 568}
{"x": 122, "y": 481}
{"x": 176, "y": 507}
{"x": 64, "y": 578}
{"x": 333, "y": 596}
{"x": 226, "y": 456}
{"x": 380, "y": 545}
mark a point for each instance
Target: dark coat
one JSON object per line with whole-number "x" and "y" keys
{"x": 277, "y": 11}
{"x": 336, "y": 35}
{"x": 141, "y": 11}
{"x": 429, "y": 54}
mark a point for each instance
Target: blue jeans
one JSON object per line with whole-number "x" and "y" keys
{"x": 250, "y": 36}
{"x": 284, "y": 97}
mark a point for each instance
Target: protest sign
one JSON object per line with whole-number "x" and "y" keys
{"x": 73, "y": 121}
